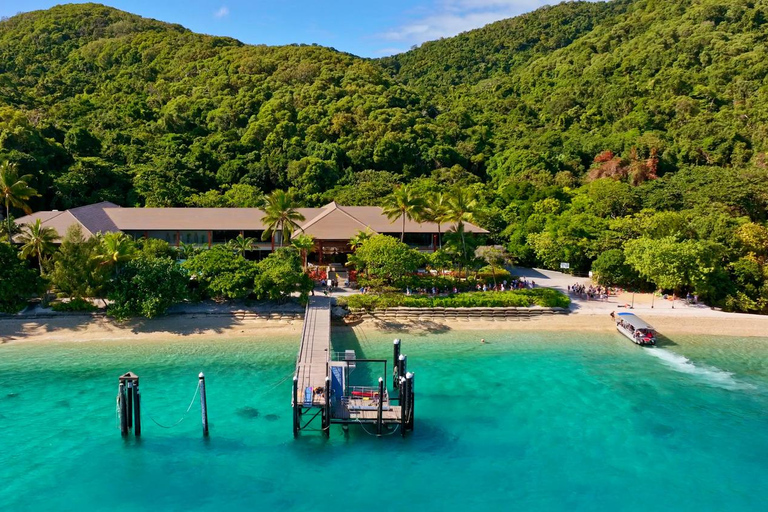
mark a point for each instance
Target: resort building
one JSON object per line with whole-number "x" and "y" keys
{"x": 332, "y": 226}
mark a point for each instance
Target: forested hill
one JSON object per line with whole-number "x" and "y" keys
{"x": 583, "y": 127}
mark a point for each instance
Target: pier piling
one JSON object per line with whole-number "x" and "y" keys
{"x": 203, "y": 404}
{"x": 395, "y": 373}
{"x": 380, "y": 415}
{"x": 411, "y": 399}
{"x": 136, "y": 410}
{"x": 296, "y": 406}
{"x": 327, "y": 410}
{"x": 121, "y": 405}
{"x": 129, "y": 401}
{"x": 128, "y": 404}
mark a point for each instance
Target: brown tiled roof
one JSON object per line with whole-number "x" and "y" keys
{"x": 331, "y": 222}
{"x": 186, "y": 219}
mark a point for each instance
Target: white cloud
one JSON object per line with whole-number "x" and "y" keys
{"x": 451, "y": 17}
{"x": 222, "y": 12}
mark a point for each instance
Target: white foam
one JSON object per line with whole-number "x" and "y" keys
{"x": 710, "y": 374}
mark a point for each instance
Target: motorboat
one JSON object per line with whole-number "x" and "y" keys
{"x": 635, "y": 328}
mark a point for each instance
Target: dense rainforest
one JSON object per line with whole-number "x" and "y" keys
{"x": 629, "y": 137}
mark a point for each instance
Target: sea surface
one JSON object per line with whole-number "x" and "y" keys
{"x": 528, "y": 421}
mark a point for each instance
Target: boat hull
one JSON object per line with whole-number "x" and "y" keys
{"x": 643, "y": 342}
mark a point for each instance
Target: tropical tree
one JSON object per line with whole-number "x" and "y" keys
{"x": 241, "y": 244}
{"x": 461, "y": 205}
{"x": 304, "y": 244}
{"x": 75, "y": 273}
{"x": 361, "y": 236}
{"x": 281, "y": 216}
{"x": 403, "y": 204}
{"x": 37, "y": 242}
{"x": 114, "y": 248}
{"x": 496, "y": 256}
{"x": 18, "y": 282}
{"x": 437, "y": 209}
{"x": 14, "y": 191}
{"x": 387, "y": 259}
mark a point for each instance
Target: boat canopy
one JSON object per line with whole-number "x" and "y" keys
{"x": 634, "y": 321}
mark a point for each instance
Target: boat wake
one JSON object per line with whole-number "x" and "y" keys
{"x": 709, "y": 374}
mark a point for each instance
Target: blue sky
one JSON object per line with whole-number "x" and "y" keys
{"x": 363, "y": 27}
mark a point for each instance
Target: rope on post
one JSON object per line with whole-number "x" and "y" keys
{"x": 197, "y": 389}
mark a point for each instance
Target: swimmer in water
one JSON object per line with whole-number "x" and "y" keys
{"x": 482, "y": 340}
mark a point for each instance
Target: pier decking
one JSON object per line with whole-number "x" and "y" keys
{"x": 321, "y": 384}
{"x": 314, "y": 354}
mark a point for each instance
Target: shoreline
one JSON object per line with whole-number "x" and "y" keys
{"x": 244, "y": 325}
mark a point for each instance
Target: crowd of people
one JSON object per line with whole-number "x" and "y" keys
{"x": 592, "y": 292}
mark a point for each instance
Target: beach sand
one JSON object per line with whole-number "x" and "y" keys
{"x": 85, "y": 328}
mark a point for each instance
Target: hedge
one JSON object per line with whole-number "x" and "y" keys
{"x": 545, "y": 297}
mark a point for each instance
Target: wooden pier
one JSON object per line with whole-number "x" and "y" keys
{"x": 322, "y": 388}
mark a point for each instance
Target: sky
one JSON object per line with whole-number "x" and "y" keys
{"x": 368, "y": 28}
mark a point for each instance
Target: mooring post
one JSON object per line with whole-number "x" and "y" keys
{"x": 411, "y": 399}
{"x": 296, "y": 406}
{"x": 136, "y": 410}
{"x": 403, "y": 405}
{"x": 203, "y": 404}
{"x": 380, "y": 415}
{"x": 401, "y": 364}
{"x": 121, "y": 408}
{"x": 129, "y": 402}
{"x": 395, "y": 375}
{"x": 327, "y": 415}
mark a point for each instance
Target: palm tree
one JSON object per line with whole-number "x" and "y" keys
{"x": 462, "y": 205}
{"x": 37, "y": 241}
{"x": 114, "y": 248}
{"x": 403, "y": 203}
{"x": 280, "y": 216}
{"x": 436, "y": 211}
{"x": 241, "y": 244}
{"x": 15, "y": 191}
{"x": 305, "y": 244}
{"x": 361, "y": 236}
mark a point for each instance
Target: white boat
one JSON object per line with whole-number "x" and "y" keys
{"x": 635, "y": 328}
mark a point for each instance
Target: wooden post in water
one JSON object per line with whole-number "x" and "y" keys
{"x": 203, "y": 404}
{"x": 401, "y": 364}
{"x": 136, "y": 410}
{"x": 403, "y": 405}
{"x": 327, "y": 413}
{"x": 380, "y": 414}
{"x": 296, "y": 406}
{"x": 409, "y": 377}
{"x": 129, "y": 401}
{"x": 395, "y": 375}
{"x": 122, "y": 408}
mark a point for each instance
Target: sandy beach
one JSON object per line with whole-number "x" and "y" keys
{"x": 83, "y": 328}
{"x": 195, "y": 326}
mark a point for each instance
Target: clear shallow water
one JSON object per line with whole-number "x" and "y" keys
{"x": 531, "y": 421}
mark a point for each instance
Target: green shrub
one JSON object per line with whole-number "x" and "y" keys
{"x": 18, "y": 282}
{"x": 76, "y": 304}
{"x": 545, "y": 297}
{"x": 147, "y": 288}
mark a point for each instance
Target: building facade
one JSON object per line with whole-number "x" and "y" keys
{"x": 332, "y": 226}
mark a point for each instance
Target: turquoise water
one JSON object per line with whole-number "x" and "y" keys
{"x": 529, "y": 421}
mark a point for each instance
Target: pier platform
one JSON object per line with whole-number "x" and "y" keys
{"x": 322, "y": 384}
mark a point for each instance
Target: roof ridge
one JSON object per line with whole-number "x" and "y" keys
{"x": 367, "y": 226}
{"x": 335, "y": 207}
{"x": 322, "y": 215}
